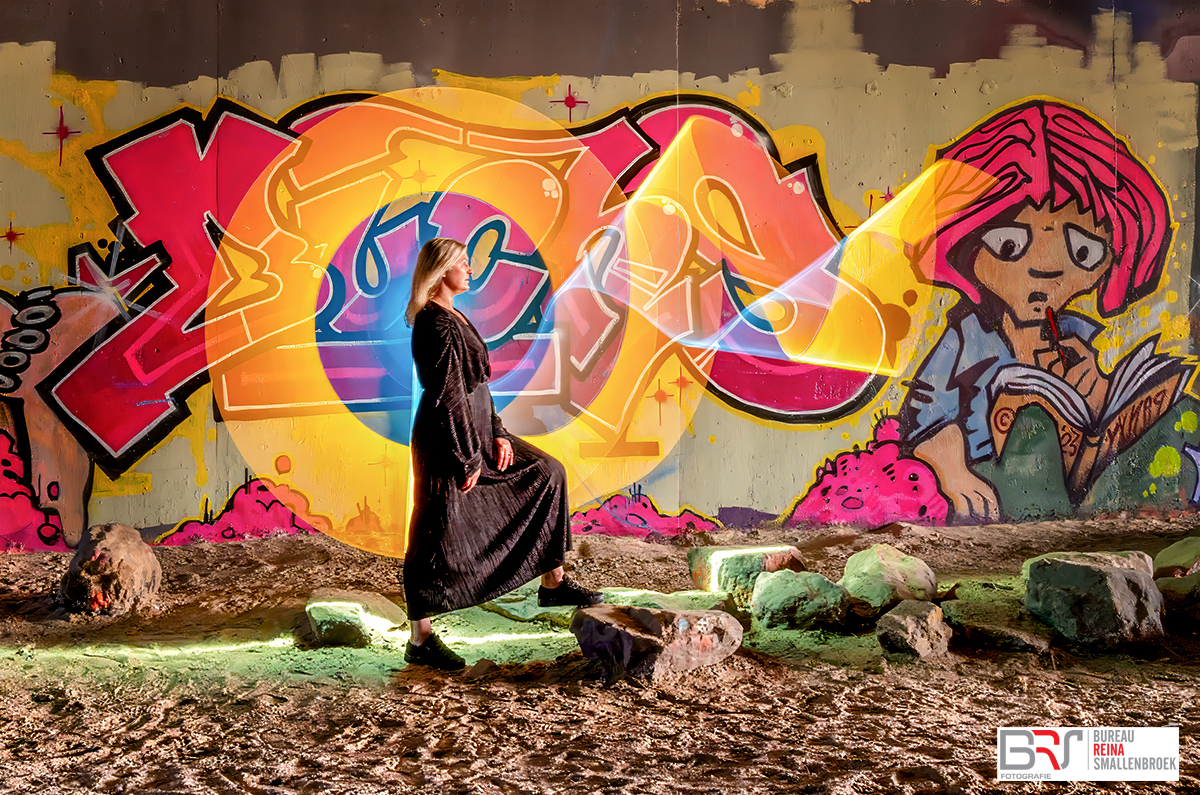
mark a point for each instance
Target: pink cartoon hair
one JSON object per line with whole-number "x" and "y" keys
{"x": 1041, "y": 151}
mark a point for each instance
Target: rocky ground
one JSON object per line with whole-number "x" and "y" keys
{"x": 220, "y": 689}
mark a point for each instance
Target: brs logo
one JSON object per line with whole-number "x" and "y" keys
{"x": 1020, "y": 748}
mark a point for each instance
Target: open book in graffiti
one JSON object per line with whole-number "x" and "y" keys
{"x": 1144, "y": 387}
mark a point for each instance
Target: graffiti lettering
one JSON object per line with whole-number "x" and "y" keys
{"x": 1069, "y": 439}
{"x": 124, "y": 390}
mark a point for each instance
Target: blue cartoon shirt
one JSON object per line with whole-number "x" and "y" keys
{"x": 951, "y": 384}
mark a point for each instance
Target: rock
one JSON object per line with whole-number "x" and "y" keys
{"x": 481, "y": 668}
{"x": 522, "y": 605}
{"x": 995, "y": 625}
{"x": 113, "y": 571}
{"x": 1178, "y": 560}
{"x": 1090, "y": 602}
{"x": 946, "y": 591}
{"x": 881, "y": 577}
{"x": 654, "y": 644}
{"x": 1181, "y": 600}
{"x": 355, "y": 618}
{"x": 914, "y": 627}
{"x": 1138, "y": 561}
{"x": 678, "y": 600}
{"x": 734, "y": 569}
{"x": 799, "y": 599}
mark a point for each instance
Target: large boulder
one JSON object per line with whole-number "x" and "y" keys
{"x": 654, "y": 644}
{"x": 1178, "y": 560}
{"x": 1090, "y": 602}
{"x": 734, "y": 569}
{"x": 995, "y": 625}
{"x": 1138, "y": 561}
{"x": 882, "y": 577}
{"x": 113, "y": 571}
{"x": 798, "y": 599}
{"x": 1181, "y": 601}
{"x": 677, "y": 600}
{"x": 522, "y": 605}
{"x": 355, "y": 618}
{"x": 914, "y": 627}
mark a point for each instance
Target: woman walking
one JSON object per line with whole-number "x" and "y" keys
{"x": 490, "y": 511}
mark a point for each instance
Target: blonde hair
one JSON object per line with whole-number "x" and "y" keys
{"x": 433, "y": 262}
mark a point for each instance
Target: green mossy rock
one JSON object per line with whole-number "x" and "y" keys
{"x": 355, "y": 618}
{"x": 882, "y": 577}
{"x": 1090, "y": 602}
{"x": 1138, "y": 561}
{"x": 677, "y": 600}
{"x": 1181, "y": 600}
{"x": 735, "y": 569}
{"x": 1180, "y": 559}
{"x": 798, "y": 599}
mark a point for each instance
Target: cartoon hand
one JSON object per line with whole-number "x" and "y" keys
{"x": 1081, "y": 371}
{"x": 973, "y": 498}
{"x": 504, "y": 453}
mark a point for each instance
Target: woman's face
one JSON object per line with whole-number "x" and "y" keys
{"x": 1042, "y": 260}
{"x": 458, "y": 278}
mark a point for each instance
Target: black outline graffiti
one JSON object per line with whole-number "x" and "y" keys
{"x": 157, "y": 283}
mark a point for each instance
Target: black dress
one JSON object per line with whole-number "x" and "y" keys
{"x": 468, "y": 548}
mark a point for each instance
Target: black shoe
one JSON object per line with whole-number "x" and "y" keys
{"x": 434, "y": 654}
{"x": 568, "y": 594}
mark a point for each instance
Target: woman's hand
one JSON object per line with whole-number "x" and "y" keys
{"x": 504, "y": 453}
{"x": 471, "y": 480}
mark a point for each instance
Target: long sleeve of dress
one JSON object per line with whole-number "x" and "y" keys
{"x": 498, "y": 429}
{"x": 452, "y": 412}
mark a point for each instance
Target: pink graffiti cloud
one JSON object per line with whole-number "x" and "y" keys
{"x": 258, "y": 509}
{"x": 873, "y": 487}
{"x": 24, "y": 526}
{"x": 621, "y": 516}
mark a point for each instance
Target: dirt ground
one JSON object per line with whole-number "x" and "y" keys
{"x": 219, "y": 688}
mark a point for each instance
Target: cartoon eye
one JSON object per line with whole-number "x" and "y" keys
{"x": 1087, "y": 251}
{"x": 1007, "y": 243}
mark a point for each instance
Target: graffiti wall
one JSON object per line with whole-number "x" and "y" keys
{"x": 832, "y": 290}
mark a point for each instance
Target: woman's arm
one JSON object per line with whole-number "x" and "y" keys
{"x": 498, "y": 429}
{"x": 452, "y": 411}
{"x": 501, "y": 437}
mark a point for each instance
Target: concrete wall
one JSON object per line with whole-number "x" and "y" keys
{"x": 737, "y": 262}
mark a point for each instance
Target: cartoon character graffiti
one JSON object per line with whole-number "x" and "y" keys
{"x": 1071, "y": 212}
